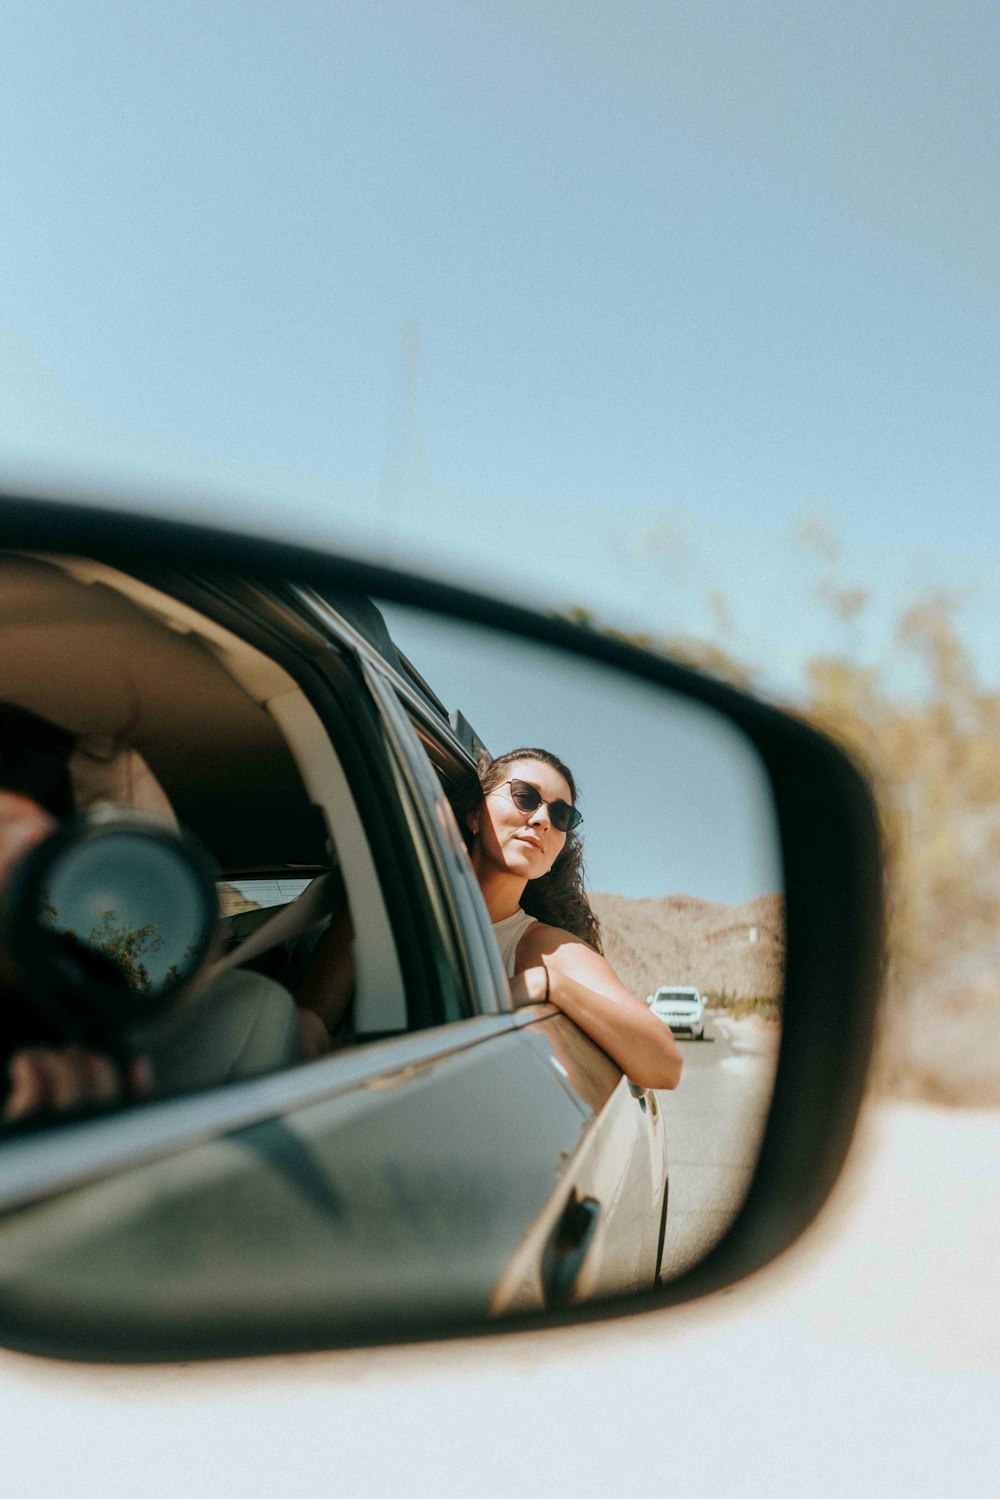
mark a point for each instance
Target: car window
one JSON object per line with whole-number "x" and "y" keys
{"x": 178, "y": 719}
{"x": 468, "y": 979}
{"x": 250, "y": 894}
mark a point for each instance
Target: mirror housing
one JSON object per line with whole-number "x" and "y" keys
{"x": 830, "y": 850}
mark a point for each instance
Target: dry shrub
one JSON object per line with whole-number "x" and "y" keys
{"x": 926, "y": 732}
{"x": 934, "y": 761}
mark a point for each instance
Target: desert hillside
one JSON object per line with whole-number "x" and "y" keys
{"x": 232, "y": 901}
{"x": 735, "y": 952}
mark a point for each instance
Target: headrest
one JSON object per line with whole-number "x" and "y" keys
{"x": 124, "y": 779}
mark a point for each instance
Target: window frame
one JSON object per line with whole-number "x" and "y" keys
{"x": 472, "y": 933}
{"x": 326, "y": 659}
{"x": 407, "y": 716}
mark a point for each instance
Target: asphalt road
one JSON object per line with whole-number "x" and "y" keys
{"x": 714, "y": 1120}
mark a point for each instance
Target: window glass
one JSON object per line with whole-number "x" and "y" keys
{"x": 249, "y": 895}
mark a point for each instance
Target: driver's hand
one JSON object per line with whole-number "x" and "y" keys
{"x": 44, "y": 1078}
{"x": 23, "y": 823}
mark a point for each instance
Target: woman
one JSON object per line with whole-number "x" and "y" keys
{"x": 529, "y": 863}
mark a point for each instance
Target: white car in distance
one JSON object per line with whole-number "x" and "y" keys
{"x": 681, "y": 1006}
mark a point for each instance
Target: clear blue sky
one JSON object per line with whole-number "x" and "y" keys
{"x": 591, "y": 301}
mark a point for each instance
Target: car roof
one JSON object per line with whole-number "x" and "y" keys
{"x": 361, "y": 626}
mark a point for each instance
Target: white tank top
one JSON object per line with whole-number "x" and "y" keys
{"x": 509, "y": 933}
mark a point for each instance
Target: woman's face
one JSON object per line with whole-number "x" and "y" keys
{"x": 523, "y": 843}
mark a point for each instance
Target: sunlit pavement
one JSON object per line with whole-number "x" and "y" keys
{"x": 866, "y": 1364}
{"x": 714, "y": 1123}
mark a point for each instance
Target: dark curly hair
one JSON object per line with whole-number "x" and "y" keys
{"x": 557, "y": 898}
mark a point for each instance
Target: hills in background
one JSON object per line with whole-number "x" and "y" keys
{"x": 729, "y": 952}
{"x": 232, "y": 901}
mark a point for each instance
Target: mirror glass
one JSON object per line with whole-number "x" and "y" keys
{"x": 436, "y": 1068}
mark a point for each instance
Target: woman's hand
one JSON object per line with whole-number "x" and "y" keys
{"x": 45, "y": 1078}
{"x": 586, "y": 988}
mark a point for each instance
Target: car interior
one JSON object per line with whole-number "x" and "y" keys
{"x": 179, "y": 717}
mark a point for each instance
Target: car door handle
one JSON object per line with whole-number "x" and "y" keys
{"x": 639, "y": 1094}
{"x": 567, "y": 1249}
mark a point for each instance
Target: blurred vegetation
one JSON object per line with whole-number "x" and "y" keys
{"x": 762, "y": 1006}
{"x": 125, "y": 946}
{"x": 933, "y": 759}
{"x": 925, "y": 731}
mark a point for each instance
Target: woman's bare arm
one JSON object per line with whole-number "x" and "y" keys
{"x": 586, "y": 988}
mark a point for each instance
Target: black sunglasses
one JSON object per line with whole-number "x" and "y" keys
{"x": 528, "y": 798}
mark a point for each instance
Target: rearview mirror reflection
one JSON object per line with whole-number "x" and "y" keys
{"x": 385, "y": 1090}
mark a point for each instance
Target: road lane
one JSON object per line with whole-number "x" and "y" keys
{"x": 714, "y": 1121}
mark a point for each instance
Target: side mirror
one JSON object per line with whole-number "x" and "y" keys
{"x": 370, "y": 1125}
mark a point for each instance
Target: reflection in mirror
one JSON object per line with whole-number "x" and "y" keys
{"x": 682, "y": 871}
{"x": 351, "y": 1102}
